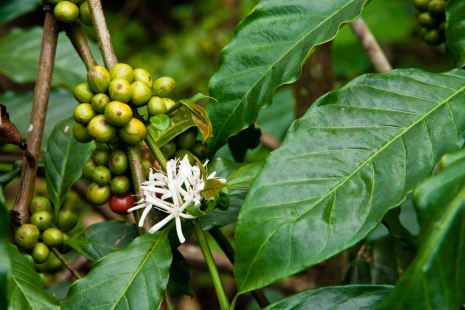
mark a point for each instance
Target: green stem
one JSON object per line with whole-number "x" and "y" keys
{"x": 66, "y": 263}
{"x": 222, "y": 297}
{"x": 176, "y": 106}
{"x": 138, "y": 178}
{"x": 228, "y": 249}
{"x": 150, "y": 141}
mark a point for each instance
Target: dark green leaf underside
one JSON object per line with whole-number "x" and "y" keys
{"x": 269, "y": 48}
{"x": 350, "y": 297}
{"x": 356, "y": 153}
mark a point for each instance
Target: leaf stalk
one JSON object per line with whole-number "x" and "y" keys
{"x": 66, "y": 263}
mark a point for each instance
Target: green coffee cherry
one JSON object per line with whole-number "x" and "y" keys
{"x": 84, "y": 113}
{"x": 87, "y": 169}
{"x": 120, "y": 185}
{"x": 115, "y": 140}
{"x": 99, "y": 102}
{"x": 437, "y": 8}
{"x": 169, "y": 103}
{"x": 423, "y": 31}
{"x": 421, "y": 5}
{"x": 52, "y": 265}
{"x": 426, "y": 20}
{"x": 169, "y": 149}
{"x": 140, "y": 93}
{"x": 84, "y": 14}
{"x": 224, "y": 200}
{"x": 442, "y": 26}
{"x": 120, "y": 90}
{"x": 83, "y": 93}
{"x": 143, "y": 76}
{"x": 187, "y": 139}
{"x": 101, "y": 175}
{"x": 98, "y": 79}
{"x": 122, "y": 71}
{"x": 52, "y": 237}
{"x": 67, "y": 219}
{"x": 40, "y": 253}
{"x": 200, "y": 150}
{"x": 66, "y": 12}
{"x": 98, "y": 194}
{"x": 27, "y": 236}
{"x": 146, "y": 167}
{"x": 63, "y": 247}
{"x": 156, "y": 105}
{"x": 433, "y": 37}
{"x": 80, "y": 133}
{"x": 118, "y": 113}
{"x": 39, "y": 204}
{"x": 133, "y": 132}
{"x": 118, "y": 162}
{"x": 101, "y": 156}
{"x": 163, "y": 86}
{"x": 42, "y": 220}
{"x": 182, "y": 153}
{"x": 100, "y": 129}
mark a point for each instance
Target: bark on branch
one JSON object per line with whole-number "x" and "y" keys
{"x": 371, "y": 47}
{"x": 103, "y": 35}
{"x": 20, "y": 211}
{"x": 77, "y": 36}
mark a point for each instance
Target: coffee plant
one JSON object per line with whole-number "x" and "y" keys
{"x": 150, "y": 165}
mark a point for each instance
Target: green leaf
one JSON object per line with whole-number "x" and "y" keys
{"x": 356, "y": 153}
{"x": 163, "y": 137}
{"x": 382, "y": 261}
{"x": 179, "y": 276}
{"x": 160, "y": 122}
{"x": 63, "y": 161}
{"x": 269, "y": 49}
{"x": 19, "y": 107}
{"x": 199, "y": 115}
{"x": 5, "y": 263}
{"x": 101, "y": 239}
{"x": 241, "y": 175}
{"x": 26, "y": 286}
{"x": 436, "y": 277}
{"x": 133, "y": 278}
{"x": 451, "y": 158}
{"x": 212, "y": 187}
{"x": 455, "y": 27}
{"x": 392, "y": 222}
{"x": 365, "y": 297}
{"x": 19, "y": 58}
{"x": 10, "y": 9}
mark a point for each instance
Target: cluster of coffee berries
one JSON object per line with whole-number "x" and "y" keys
{"x": 104, "y": 115}
{"x": 431, "y": 15}
{"x": 68, "y": 11}
{"x": 185, "y": 144}
{"x": 111, "y": 177}
{"x": 40, "y": 234}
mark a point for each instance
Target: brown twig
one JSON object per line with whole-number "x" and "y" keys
{"x": 20, "y": 211}
{"x": 78, "y": 38}
{"x": 269, "y": 141}
{"x": 371, "y": 47}
{"x": 103, "y": 35}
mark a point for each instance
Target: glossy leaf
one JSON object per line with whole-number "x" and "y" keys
{"x": 63, "y": 161}
{"x": 269, "y": 48}
{"x": 20, "y": 105}
{"x": 212, "y": 187}
{"x": 26, "y": 286}
{"x": 163, "y": 137}
{"x": 382, "y": 261}
{"x": 199, "y": 115}
{"x": 5, "y": 263}
{"x": 355, "y": 154}
{"x": 241, "y": 175}
{"x": 101, "y": 239}
{"x": 19, "y": 57}
{"x": 10, "y": 9}
{"x": 455, "y": 27}
{"x": 160, "y": 122}
{"x": 365, "y": 297}
{"x": 436, "y": 278}
{"x": 179, "y": 276}
{"x": 133, "y": 278}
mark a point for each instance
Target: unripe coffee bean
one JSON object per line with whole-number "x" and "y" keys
{"x": 98, "y": 79}
{"x": 122, "y": 71}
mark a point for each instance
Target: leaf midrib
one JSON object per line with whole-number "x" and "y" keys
{"x": 356, "y": 170}
{"x": 277, "y": 61}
